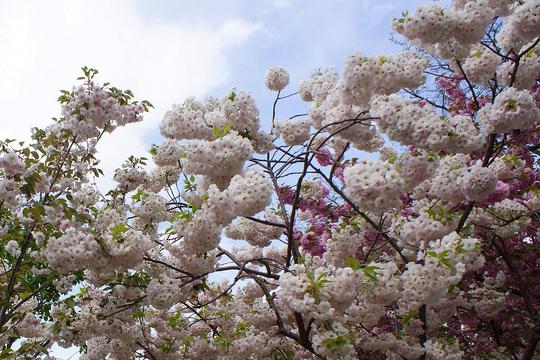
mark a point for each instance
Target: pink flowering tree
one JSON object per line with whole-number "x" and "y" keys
{"x": 286, "y": 241}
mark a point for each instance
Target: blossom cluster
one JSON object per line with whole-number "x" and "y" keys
{"x": 405, "y": 121}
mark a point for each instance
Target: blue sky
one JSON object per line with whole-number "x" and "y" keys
{"x": 166, "y": 50}
{"x": 298, "y": 35}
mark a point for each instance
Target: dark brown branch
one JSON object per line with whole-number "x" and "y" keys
{"x": 152, "y": 356}
{"x": 422, "y": 314}
{"x": 265, "y": 222}
{"x": 530, "y": 350}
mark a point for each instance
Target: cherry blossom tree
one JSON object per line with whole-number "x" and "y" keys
{"x": 397, "y": 218}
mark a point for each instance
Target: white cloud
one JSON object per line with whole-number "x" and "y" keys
{"x": 282, "y": 3}
{"x": 44, "y": 44}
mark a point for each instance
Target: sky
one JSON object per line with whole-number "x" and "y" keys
{"x": 167, "y": 50}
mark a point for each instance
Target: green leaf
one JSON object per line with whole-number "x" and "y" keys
{"x": 70, "y": 302}
{"x": 38, "y": 211}
{"x": 219, "y": 132}
{"x": 281, "y": 354}
{"x": 531, "y": 52}
{"x": 445, "y": 262}
{"x": 119, "y": 230}
{"x": 227, "y": 128}
{"x": 240, "y": 329}
{"x": 334, "y": 343}
{"x": 146, "y": 105}
{"x": 393, "y": 159}
{"x": 139, "y": 195}
{"x": 371, "y": 272}
{"x": 7, "y": 354}
{"x": 139, "y": 314}
{"x": 353, "y": 263}
{"x": 173, "y": 319}
{"x": 201, "y": 286}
